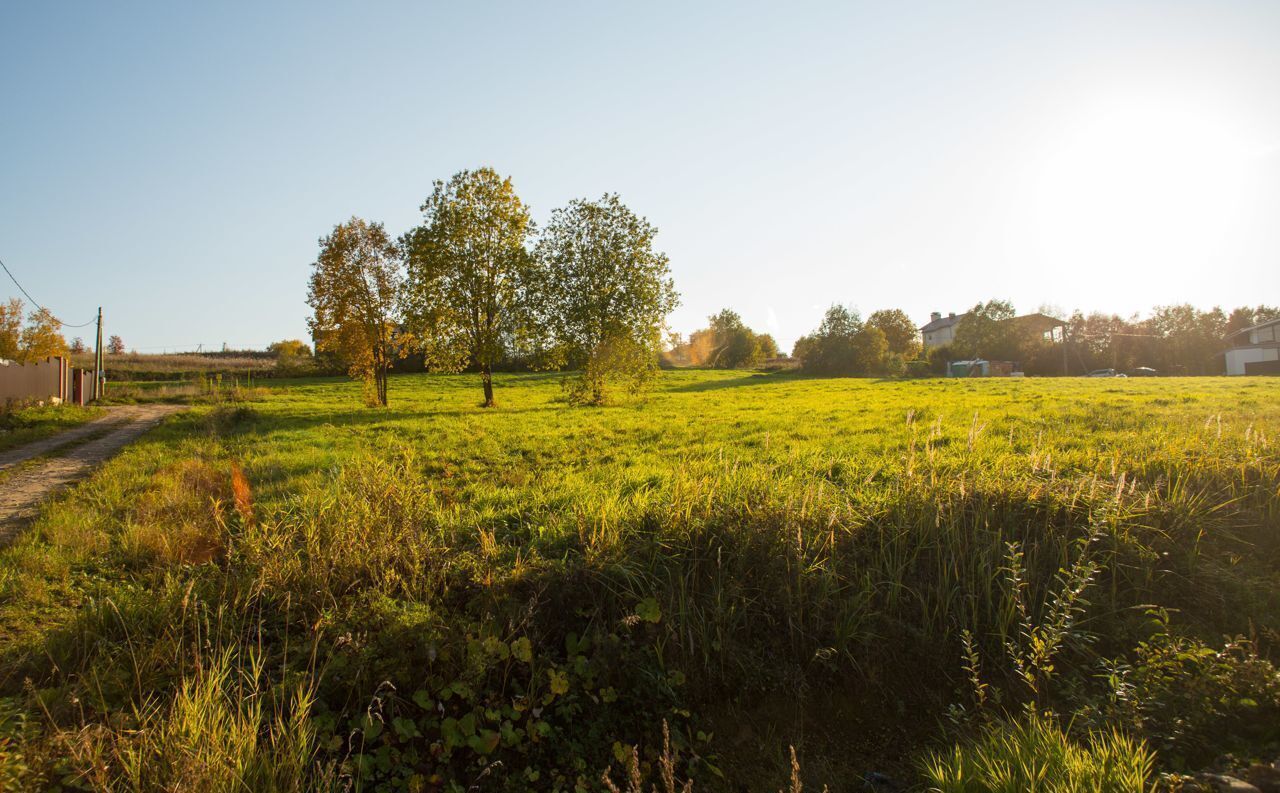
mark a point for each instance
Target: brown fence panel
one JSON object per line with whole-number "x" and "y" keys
{"x": 44, "y": 381}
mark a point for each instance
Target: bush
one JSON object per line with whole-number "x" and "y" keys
{"x": 1191, "y": 700}
{"x": 916, "y": 369}
{"x": 938, "y": 357}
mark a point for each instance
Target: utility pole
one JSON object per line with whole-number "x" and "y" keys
{"x": 97, "y": 361}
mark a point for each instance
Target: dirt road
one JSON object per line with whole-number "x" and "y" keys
{"x": 23, "y": 490}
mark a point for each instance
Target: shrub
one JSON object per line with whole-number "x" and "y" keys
{"x": 1191, "y": 700}
{"x": 917, "y": 369}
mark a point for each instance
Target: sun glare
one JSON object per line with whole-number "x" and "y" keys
{"x": 1144, "y": 183}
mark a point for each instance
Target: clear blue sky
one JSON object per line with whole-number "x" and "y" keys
{"x": 176, "y": 165}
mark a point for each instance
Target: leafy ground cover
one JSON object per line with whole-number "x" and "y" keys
{"x": 288, "y": 590}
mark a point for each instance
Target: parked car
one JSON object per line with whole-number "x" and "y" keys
{"x": 1105, "y": 373}
{"x": 1143, "y": 371}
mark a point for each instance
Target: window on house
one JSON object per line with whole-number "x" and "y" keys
{"x": 1265, "y": 334}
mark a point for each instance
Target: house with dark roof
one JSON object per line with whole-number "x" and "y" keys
{"x": 1255, "y": 350}
{"x": 940, "y": 330}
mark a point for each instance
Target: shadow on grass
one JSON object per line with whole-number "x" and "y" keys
{"x": 758, "y": 378}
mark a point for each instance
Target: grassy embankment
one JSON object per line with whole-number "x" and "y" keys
{"x": 26, "y": 424}
{"x": 299, "y": 589}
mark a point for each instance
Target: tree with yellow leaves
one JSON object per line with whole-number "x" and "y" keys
{"x": 42, "y": 337}
{"x": 11, "y": 329}
{"x": 354, "y": 292}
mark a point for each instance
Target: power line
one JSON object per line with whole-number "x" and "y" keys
{"x": 37, "y": 302}
{"x": 15, "y": 283}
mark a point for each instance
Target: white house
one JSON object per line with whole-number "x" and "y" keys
{"x": 1255, "y": 350}
{"x": 940, "y": 330}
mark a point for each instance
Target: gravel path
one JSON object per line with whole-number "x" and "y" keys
{"x": 22, "y": 491}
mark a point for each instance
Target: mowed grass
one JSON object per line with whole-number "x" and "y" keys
{"x": 410, "y": 594}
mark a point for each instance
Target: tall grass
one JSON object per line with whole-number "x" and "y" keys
{"x": 1033, "y": 755}
{"x": 221, "y": 732}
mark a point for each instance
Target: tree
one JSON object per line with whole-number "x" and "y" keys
{"x": 843, "y": 345}
{"x": 11, "y": 329}
{"x": 768, "y": 346}
{"x": 699, "y": 350}
{"x": 938, "y": 357}
{"x": 469, "y": 273}
{"x": 804, "y": 348}
{"x": 833, "y": 349}
{"x": 115, "y": 345}
{"x": 1103, "y": 341}
{"x": 734, "y": 345}
{"x": 295, "y": 348}
{"x": 77, "y": 345}
{"x": 830, "y": 350}
{"x": 870, "y": 348}
{"x": 354, "y": 292}
{"x": 604, "y": 294}
{"x": 1192, "y": 340}
{"x": 987, "y": 331}
{"x": 1246, "y": 317}
{"x": 900, "y": 332}
{"x": 293, "y": 356}
{"x": 42, "y": 337}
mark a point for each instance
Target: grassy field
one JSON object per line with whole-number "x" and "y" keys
{"x": 299, "y": 592}
{"x": 181, "y": 366}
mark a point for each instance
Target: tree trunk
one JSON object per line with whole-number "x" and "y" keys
{"x": 486, "y": 377}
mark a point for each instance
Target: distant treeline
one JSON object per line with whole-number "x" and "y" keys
{"x": 1173, "y": 340}
{"x": 1180, "y": 339}
{"x": 1177, "y": 339}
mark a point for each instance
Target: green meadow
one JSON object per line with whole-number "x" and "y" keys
{"x": 286, "y": 590}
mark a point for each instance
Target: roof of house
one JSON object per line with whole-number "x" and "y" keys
{"x": 1266, "y": 324}
{"x": 1037, "y": 320}
{"x": 942, "y": 322}
{"x": 1042, "y": 322}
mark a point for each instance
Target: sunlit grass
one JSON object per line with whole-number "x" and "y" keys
{"x": 729, "y": 536}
